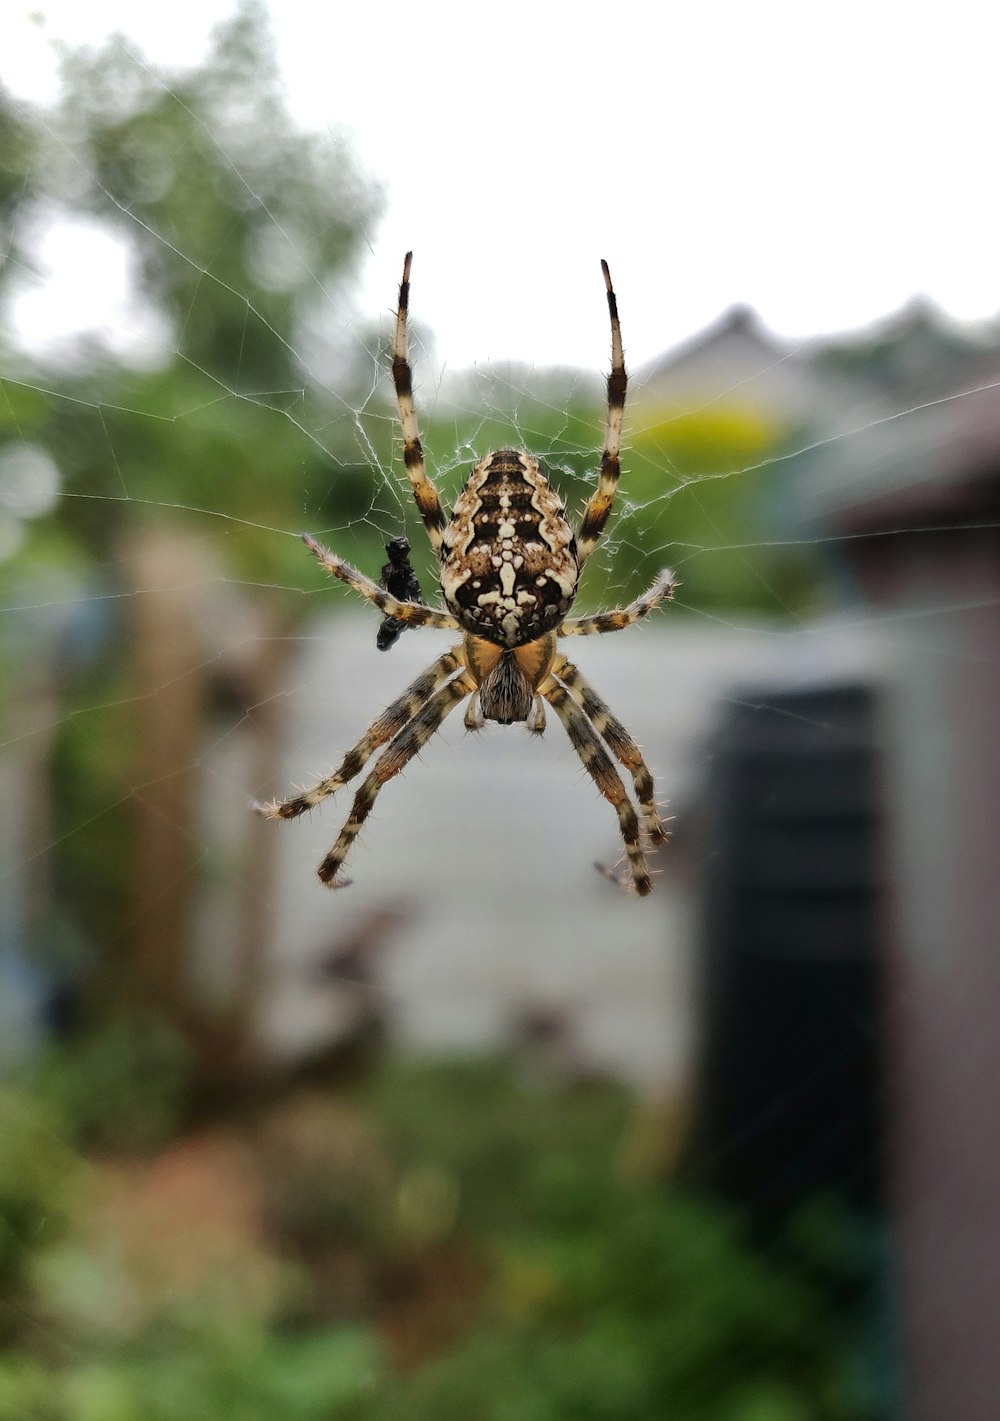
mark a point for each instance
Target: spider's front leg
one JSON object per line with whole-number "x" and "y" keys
{"x": 426, "y": 495}
{"x": 412, "y": 614}
{"x": 598, "y": 509}
{"x": 615, "y": 621}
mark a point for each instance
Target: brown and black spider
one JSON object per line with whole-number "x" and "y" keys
{"x": 509, "y": 567}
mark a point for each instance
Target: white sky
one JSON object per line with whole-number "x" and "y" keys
{"x": 823, "y": 163}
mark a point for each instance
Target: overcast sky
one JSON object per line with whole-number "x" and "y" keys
{"x": 823, "y": 163}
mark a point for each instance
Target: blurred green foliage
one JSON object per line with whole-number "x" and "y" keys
{"x": 39, "y": 1175}
{"x": 513, "y": 1270}
{"x": 713, "y": 480}
{"x": 241, "y": 232}
{"x": 120, "y": 1085}
{"x": 240, "y": 229}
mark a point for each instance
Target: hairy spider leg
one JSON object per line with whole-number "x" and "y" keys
{"x": 618, "y": 740}
{"x": 426, "y": 495}
{"x": 596, "y": 761}
{"x": 388, "y": 724}
{"x": 410, "y": 740}
{"x": 595, "y": 515}
{"x": 536, "y": 720}
{"x": 413, "y": 614}
{"x": 622, "y": 617}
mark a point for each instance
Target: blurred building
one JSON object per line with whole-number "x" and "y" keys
{"x": 851, "y": 962}
{"x": 916, "y": 503}
{"x": 736, "y": 361}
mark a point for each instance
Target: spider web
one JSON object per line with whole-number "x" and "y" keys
{"x": 557, "y": 414}
{"x": 473, "y": 887}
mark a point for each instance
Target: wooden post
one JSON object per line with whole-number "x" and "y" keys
{"x": 170, "y": 575}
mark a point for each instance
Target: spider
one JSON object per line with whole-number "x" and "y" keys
{"x": 509, "y": 567}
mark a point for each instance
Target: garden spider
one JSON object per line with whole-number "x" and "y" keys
{"x": 509, "y": 567}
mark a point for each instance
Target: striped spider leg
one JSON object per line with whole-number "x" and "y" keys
{"x": 383, "y": 729}
{"x": 597, "y": 762}
{"x": 424, "y": 492}
{"x": 411, "y": 614}
{"x": 409, "y": 742}
{"x": 662, "y": 590}
{"x": 598, "y": 509}
{"x": 618, "y": 740}
{"x": 596, "y": 716}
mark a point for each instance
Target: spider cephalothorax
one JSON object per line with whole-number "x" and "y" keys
{"x": 509, "y": 567}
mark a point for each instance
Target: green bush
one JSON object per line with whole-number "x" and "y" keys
{"x": 39, "y": 1178}
{"x": 515, "y": 1274}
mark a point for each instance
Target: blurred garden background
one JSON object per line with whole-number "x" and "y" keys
{"x": 481, "y": 1137}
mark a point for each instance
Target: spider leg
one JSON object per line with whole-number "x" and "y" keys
{"x": 388, "y": 724}
{"x": 596, "y": 761}
{"x": 410, "y": 740}
{"x": 424, "y": 491}
{"x": 412, "y": 614}
{"x": 622, "y": 617}
{"x": 618, "y": 740}
{"x": 595, "y": 515}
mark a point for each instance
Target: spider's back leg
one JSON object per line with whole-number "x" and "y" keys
{"x": 397, "y": 755}
{"x": 597, "y": 762}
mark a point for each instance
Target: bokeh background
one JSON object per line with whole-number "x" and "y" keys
{"x": 484, "y": 1136}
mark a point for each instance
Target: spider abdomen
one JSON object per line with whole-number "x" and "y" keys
{"x": 508, "y": 555}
